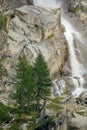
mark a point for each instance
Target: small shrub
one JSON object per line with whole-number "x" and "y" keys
{"x": 1, "y": 129}
{"x": 72, "y": 128}
{"x": 50, "y": 36}
{"x": 45, "y": 124}
{"x": 55, "y": 105}
{"x": 2, "y": 68}
{"x": 80, "y": 113}
{"x": 15, "y": 126}
{"x": 4, "y": 116}
{"x": 3, "y": 21}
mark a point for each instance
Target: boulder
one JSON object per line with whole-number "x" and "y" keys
{"x": 79, "y": 122}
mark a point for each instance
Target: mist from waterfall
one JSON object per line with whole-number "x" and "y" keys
{"x": 76, "y": 67}
{"x": 76, "y": 70}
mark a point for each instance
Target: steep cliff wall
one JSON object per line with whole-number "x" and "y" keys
{"x": 32, "y": 30}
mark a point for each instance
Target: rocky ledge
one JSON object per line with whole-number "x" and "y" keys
{"x": 31, "y": 30}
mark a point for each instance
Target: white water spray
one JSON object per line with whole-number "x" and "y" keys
{"x": 59, "y": 87}
{"x": 76, "y": 72}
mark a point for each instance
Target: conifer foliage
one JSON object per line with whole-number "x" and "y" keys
{"x": 42, "y": 79}
{"x": 32, "y": 83}
{"x": 24, "y": 83}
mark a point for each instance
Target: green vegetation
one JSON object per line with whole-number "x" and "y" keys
{"x": 3, "y": 21}
{"x": 42, "y": 80}
{"x": 55, "y": 106}
{"x": 32, "y": 89}
{"x": 32, "y": 83}
{"x": 2, "y": 69}
{"x": 77, "y": 10}
{"x": 51, "y": 36}
{"x": 4, "y": 113}
{"x": 15, "y": 126}
{"x": 24, "y": 83}
{"x": 72, "y": 128}
{"x": 44, "y": 124}
{"x": 80, "y": 113}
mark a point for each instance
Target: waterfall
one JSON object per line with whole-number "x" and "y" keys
{"x": 59, "y": 87}
{"x": 76, "y": 67}
{"x": 76, "y": 72}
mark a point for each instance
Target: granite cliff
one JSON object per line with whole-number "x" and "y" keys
{"x": 30, "y": 30}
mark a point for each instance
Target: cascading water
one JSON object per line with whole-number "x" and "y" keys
{"x": 76, "y": 73}
{"x": 58, "y": 87}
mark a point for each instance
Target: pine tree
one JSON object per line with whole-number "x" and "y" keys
{"x": 30, "y": 85}
{"x": 24, "y": 83}
{"x": 42, "y": 79}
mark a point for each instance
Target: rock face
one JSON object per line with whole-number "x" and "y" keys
{"x": 32, "y": 30}
{"x": 11, "y": 4}
{"x": 79, "y": 7}
{"x": 79, "y": 122}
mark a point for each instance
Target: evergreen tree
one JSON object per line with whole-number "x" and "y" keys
{"x": 30, "y": 86}
{"x": 24, "y": 83}
{"x": 42, "y": 79}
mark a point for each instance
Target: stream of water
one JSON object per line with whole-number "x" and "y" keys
{"x": 70, "y": 32}
{"x": 76, "y": 67}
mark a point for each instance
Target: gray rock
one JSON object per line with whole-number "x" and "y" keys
{"x": 33, "y": 30}
{"x": 38, "y": 30}
{"x": 78, "y": 6}
{"x": 79, "y": 122}
{"x": 11, "y": 4}
{"x": 24, "y": 126}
